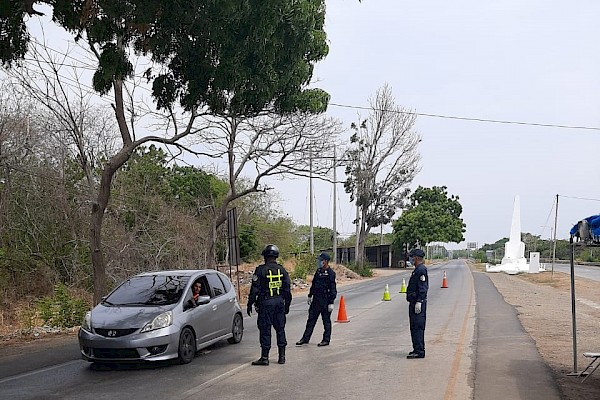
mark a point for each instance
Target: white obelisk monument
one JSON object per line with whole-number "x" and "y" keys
{"x": 514, "y": 260}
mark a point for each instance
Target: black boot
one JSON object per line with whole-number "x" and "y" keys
{"x": 264, "y": 358}
{"x": 281, "y": 355}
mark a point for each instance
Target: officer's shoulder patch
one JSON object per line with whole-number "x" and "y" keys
{"x": 254, "y": 277}
{"x": 423, "y": 278}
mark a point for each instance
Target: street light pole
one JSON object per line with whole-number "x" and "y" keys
{"x": 334, "y": 207}
{"x": 554, "y": 246}
{"x": 310, "y": 191}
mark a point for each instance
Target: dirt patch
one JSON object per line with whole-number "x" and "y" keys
{"x": 543, "y": 303}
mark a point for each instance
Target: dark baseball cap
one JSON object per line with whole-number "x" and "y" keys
{"x": 417, "y": 253}
{"x": 324, "y": 256}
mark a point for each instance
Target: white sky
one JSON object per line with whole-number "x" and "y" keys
{"x": 533, "y": 61}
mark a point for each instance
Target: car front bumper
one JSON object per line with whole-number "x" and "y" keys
{"x": 157, "y": 345}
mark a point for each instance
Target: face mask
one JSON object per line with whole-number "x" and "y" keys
{"x": 412, "y": 260}
{"x": 319, "y": 263}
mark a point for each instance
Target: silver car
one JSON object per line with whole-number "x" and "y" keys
{"x": 153, "y": 316}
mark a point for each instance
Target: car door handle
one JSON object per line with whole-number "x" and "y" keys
{"x": 215, "y": 307}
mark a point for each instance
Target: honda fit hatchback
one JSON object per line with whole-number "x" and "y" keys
{"x": 156, "y": 316}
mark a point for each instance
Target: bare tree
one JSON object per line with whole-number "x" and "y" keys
{"x": 77, "y": 119}
{"x": 383, "y": 161}
{"x": 262, "y": 147}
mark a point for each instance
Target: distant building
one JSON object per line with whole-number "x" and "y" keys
{"x": 381, "y": 256}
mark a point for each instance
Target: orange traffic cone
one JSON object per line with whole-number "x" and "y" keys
{"x": 342, "y": 312}
{"x": 444, "y": 281}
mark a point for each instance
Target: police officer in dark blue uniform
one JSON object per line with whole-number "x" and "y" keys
{"x": 321, "y": 296}
{"x": 416, "y": 295}
{"x": 271, "y": 295}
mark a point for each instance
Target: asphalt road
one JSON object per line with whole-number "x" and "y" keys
{"x": 366, "y": 358}
{"x": 582, "y": 271}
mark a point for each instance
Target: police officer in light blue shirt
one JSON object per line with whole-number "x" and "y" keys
{"x": 416, "y": 295}
{"x": 321, "y": 296}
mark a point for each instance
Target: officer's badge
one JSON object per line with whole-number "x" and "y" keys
{"x": 254, "y": 278}
{"x": 422, "y": 278}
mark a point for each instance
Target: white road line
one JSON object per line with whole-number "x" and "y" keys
{"x": 38, "y": 371}
{"x": 195, "y": 390}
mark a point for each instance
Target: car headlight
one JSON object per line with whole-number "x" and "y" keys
{"x": 86, "y": 325}
{"x": 160, "y": 321}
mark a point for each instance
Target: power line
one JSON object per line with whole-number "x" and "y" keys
{"x": 472, "y": 119}
{"x": 495, "y": 121}
{"x": 578, "y": 198}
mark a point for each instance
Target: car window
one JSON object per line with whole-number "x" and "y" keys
{"x": 215, "y": 284}
{"x": 149, "y": 290}
{"x": 226, "y": 282}
{"x": 204, "y": 291}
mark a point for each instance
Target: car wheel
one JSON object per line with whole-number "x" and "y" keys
{"x": 187, "y": 346}
{"x": 237, "y": 330}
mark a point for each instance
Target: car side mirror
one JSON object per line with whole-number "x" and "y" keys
{"x": 199, "y": 302}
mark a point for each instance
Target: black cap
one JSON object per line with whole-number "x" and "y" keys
{"x": 417, "y": 253}
{"x": 324, "y": 256}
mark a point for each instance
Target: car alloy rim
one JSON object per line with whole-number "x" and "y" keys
{"x": 187, "y": 344}
{"x": 237, "y": 327}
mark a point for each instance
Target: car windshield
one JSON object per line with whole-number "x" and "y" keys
{"x": 148, "y": 290}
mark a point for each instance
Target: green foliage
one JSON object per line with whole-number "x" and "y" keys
{"x": 235, "y": 57}
{"x": 13, "y": 46}
{"x": 248, "y": 242}
{"x": 305, "y": 264}
{"x": 27, "y": 317}
{"x": 322, "y": 238}
{"x": 277, "y": 230}
{"x": 479, "y": 256}
{"x": 432, "y": 216}
{"x": 363, "y": 269}
{"x": 62, "y": 309}
{"x": 195, "y": 188}
{"x": 373, "y": 239}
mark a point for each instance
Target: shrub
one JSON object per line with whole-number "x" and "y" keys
{"x": 305, "y": 264}
{"x": 62, "y": 309}
{"x": 362, "y": 269}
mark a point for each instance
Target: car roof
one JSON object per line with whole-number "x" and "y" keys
{"x": 178, "y": 272}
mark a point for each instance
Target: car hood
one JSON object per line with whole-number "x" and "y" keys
{"x": 119, "y": 317}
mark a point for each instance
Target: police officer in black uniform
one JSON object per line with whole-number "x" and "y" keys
{"x": 271, "y": 295}
{"x": 416, "y": 295}
{"x": 321, "y": 296}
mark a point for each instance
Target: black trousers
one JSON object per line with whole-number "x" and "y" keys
{"x": 271, "y": 314}
{"x": 318, "y": 307}
{"x": 417, "y": 327}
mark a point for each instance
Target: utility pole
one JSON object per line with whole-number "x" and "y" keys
{"x": 310, "y": 193}
{"x": 554, "y": 245}
{"x": 357, "y": 230}
{"x": 334, "y": 207}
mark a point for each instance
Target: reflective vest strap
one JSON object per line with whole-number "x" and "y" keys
{"x": 274, "y": 281}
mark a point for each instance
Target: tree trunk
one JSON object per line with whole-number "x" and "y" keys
{"x": 98, "y": 262}
{"x": 211, "y": 257}
{"x": 360, "y": 248}
{"x": 218, "y": 219}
